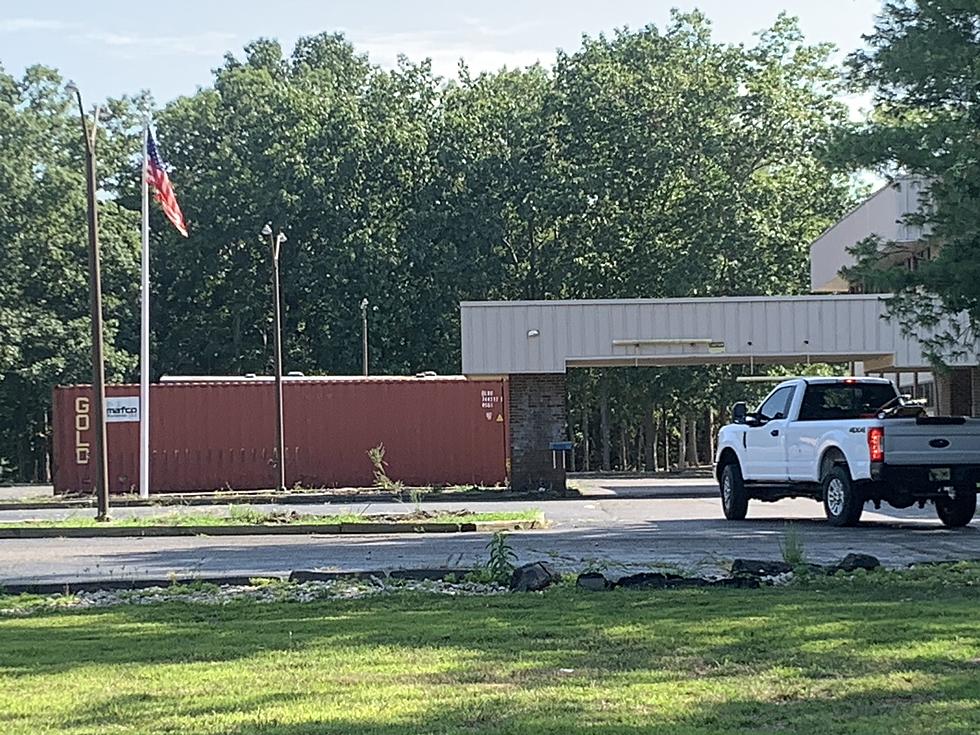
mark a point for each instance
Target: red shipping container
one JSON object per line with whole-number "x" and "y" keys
{"x": 214, "y": 435}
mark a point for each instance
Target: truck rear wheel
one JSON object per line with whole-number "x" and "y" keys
{"x": 957, "y": 511}
{"x": 734, "y": 499}
{"x": 842, "y": 501}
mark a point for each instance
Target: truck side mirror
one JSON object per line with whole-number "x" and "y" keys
{"x": 739, "y": 412}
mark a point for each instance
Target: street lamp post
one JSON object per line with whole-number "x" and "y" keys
{"x": 275, "y": 241}
{"x": 364, "y": 336}
{"x": 100, "y": 463}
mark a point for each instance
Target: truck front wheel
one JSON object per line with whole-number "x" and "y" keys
{"x": 957, "y": 511}
{"x": 734, "y": 499}
{"x": 842, "y": 501}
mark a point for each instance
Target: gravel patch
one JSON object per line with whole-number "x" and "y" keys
{"x": 273, "y": 591}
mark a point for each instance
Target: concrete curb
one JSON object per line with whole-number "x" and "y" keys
{"x": 293, "y": 529}
{"x": 289, "y": 499}
{"x": 709, "y": 490}
{"x": 692, "y": 493}
{"x": 690, "y": 473}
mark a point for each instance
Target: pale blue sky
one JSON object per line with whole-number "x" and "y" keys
{"x": 110, "y": 47}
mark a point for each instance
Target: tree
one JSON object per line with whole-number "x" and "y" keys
{"x": 649, "y": 163}
{"x": 921, "y": 66}
{"x": 690, "y": 168}
{"x": 44, "y": 315}
{"x": 337, "y": 152}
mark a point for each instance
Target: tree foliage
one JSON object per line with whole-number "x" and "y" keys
{"x": 648, "y": 163}
{"x": 44, "y": 327}
{"x": 922, "y": 64}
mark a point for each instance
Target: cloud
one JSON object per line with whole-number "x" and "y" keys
{"x": 859, "y": 106}
{"x": 17, "y": 25}
{"x": 131, "y": 45}
{"x": 488, "y": 30}
{"x": 481, "y": 51}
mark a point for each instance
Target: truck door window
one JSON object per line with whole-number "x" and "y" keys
{"x": 777, "y": 405}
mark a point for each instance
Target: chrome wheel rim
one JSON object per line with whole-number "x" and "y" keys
{"x": 835, "y": 496}
{"x": 726, "y": 489}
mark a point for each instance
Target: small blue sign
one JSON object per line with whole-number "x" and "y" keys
{"x": 561, "y": 446}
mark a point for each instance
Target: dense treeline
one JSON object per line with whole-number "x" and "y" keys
{"x": 649, "y": 163}
{"x": 921, "y": 64}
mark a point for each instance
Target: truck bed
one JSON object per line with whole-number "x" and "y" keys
{"x": 941, "y": 441}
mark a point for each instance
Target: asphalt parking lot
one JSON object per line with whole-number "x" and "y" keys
{"x": 624, "y": 524}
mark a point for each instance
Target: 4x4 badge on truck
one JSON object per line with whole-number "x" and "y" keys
{"x": 858, "y": 430}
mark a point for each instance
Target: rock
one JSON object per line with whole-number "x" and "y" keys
{"x": 852, "y": 562}
{"x": 737, "y": 582}
{"x": 689, "y": 582}
{"x": 595, "y": 581}
{"x": 780, "y": 580}
{"x": 758, "y": 568}
{"x": 648, "y": 579}
{"x": 532, "y": 577}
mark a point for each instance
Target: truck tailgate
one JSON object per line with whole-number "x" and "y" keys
{"x": 936, "y": 442}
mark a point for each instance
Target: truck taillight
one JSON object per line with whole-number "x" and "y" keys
{"x": 876, "y": 444}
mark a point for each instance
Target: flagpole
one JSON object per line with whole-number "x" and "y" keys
{"x": 145, "y": 329}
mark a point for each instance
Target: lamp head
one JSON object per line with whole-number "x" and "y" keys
{"x": 267, "y": 230}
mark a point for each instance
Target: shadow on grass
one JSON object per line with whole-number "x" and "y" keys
{"x": 873, "y": 656}
{"x": 710, "y": 632}
{"x": 945, "y": 705}
{"x": 146, "y": 709}
{"x": 888, "y": 710}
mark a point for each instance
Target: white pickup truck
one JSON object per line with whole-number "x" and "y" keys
{"x": 847, "y": 441}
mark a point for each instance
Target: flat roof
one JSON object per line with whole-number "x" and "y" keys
{"x": 669, "y": 301}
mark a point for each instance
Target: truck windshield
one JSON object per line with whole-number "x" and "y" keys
{"x": 829, "y": 401}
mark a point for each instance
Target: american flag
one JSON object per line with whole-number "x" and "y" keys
{"x": 156, "y": 175}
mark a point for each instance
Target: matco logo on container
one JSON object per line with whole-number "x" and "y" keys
{"x": 122, "y": 409}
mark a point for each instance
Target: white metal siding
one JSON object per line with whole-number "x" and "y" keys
{"x": 881, "y": 214}
{"x": 763, "y": 329}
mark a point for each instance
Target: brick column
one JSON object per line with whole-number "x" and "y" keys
{"x": 537, "y": 418}
{"x": 975, "y": 372}
{"x": 941, "y": 384}
{"x": 956, "y": 391}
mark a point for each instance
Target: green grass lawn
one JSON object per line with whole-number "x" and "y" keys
{"x": 893, "y": 654}
{"x": 243, "y": 515}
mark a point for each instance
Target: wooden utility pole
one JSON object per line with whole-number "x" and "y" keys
{"x": 98, "y": 457}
